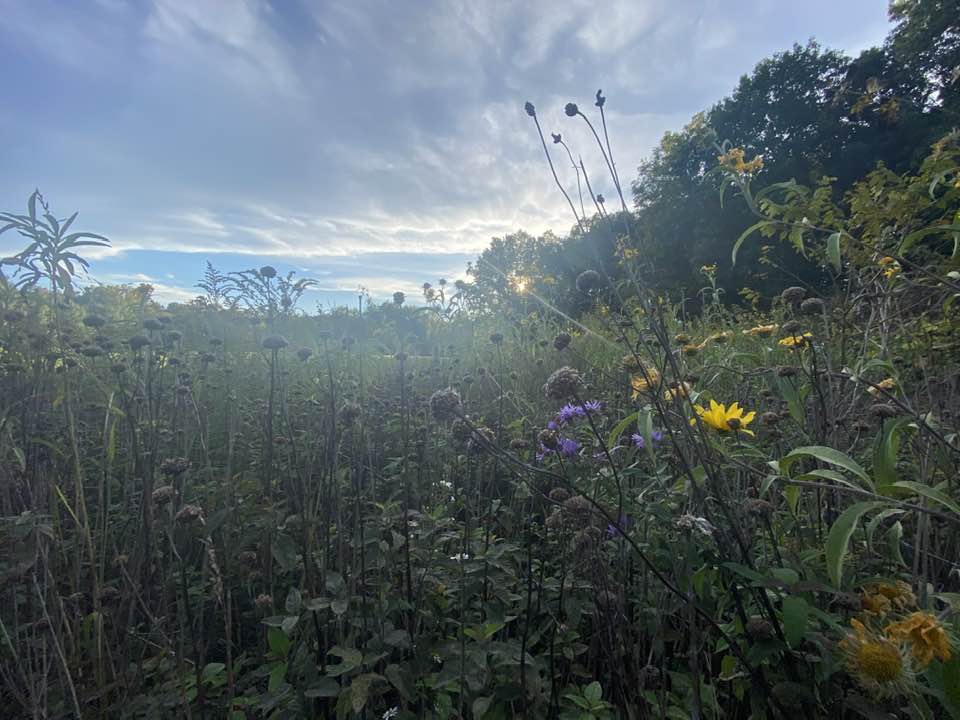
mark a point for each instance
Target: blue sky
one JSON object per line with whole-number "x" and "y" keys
{"x": 379, "y": 144}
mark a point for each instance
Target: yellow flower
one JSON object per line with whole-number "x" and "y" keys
{"x": 887, "y": 384}
{"x": 723, "y": 418}
{"x": 720, "y": 337}
{"x": 796, "y": 341}
{"x": 709, "y": 269}
{"x": 692, "y": 349}
{"x": 891, "y": 266}
{"x": 924, "y": 634}
{"x": 734, "y": 160}
{"x": 878, "y": 664}
{"x": 762, "y": 330}
{"x": 644, "y": 382}
{"x": 682, "y": 390}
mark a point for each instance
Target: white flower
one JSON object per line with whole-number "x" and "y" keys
{"x": 437, "y": 659}
{"x": 460, "y": 557}
{"x": 690, "y": 522}
{"x": 391, "y": 713}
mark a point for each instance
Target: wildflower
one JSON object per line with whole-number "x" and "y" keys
{"x": 460, "y": 557}
{"x": 692, "y": 350}
{"x": 681, "y": 339}
{"x": 709, "y": 269}
{"x": 925, "y": 636}
{"x": 679, "y": 390}
{"x": 720, "y": 338}
{"x": 890, "y": 266}
{"x": 644, "y": 382}
{"x": 563, "y": 383}
{"x": 568, "y": 447}
{"x": 762, "y": 330}
{"x": 640, "y": 443}
{"x": 263, "y": 602}
{"x": 570, "y": 412}
{"x": 887, "y": 384}
{"x": 878, "y": 664}
{"x": 723, "y": 418}
{"x": 796, "y": 341}
{"x": 391, "y": 713}
{"x": 734, "y": 160}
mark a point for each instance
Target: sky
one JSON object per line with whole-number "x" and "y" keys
{"x": 361, "y": 144}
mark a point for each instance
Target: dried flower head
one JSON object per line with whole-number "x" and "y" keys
{"x": 274, "y": 342}
{"x": 445, "y": 404}
{"x": 588, "y": 281}
{"x": 563, "y": 384}
{"x": 793, "y": 295}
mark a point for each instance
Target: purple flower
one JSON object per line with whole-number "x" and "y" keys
{"x": 639, "y": 442}
{"x": 552, "y": 426}
{"x": 569, "y": 447}
{"x": 570, "y": 412}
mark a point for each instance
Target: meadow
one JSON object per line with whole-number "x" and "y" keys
{"x": 528, "y": 494}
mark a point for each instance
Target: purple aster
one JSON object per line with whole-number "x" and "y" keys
{"x": 639, "y": 442}
{"x": 552, "y": 426}
{"x": 568, "y": 413}
{"x": 569, "y": 447}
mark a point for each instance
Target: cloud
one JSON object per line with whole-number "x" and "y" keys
{"x": 306, "y": 131}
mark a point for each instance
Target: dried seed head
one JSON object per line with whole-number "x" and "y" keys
{"x": 268, "y": 271}
{"x": 793, "y": 295}
{"x": 588, "y": 281}
{"x": 571, "y": 109}
{"x": 350, "y": 412}
{"x": 812, "y": 306}
{"x": 519, "y": 444}
{"x": 304, "y": 353}
{"x": 94, "y": 321}
{"x": 759, "y": 628}
{"x": 445, "y": 404}
{"x": 274, "y": 342}
{"x": 561, "y": 341}
{"x": 884, "y": 411}
{"x": 563, "y": 383}
{"x": 531, "y": 110}
{"x": 769, "y": 418}
{"x": 163, "y": 494}
{"x": 138, "y": 342}
{"x": 190, "y": 514}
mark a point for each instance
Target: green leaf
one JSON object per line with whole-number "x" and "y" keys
{"x": 827, "y": 455}
{"x": 833, "y": 251}
{"x": 839, "y": 538}
{"x": 593, "y": 692}
{"x": 619, "y": 429}
{"x": 885, "y": 454}
{"x": 743, "y": 236}
{"x": 278, "y": 641}
{"x": 294, "y": 601}
{"x": 480, "y": 707}
{"x": 360, "y": 691}
{"x": 795, "y": 613}
{"x": 277, "y": 676}
{"x": 928, "y": 492}
{"x": 284, "y": 551}
{"x": 323, "y": 687}
{"x": 351, "y": 660}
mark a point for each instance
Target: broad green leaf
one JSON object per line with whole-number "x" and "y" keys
{"x": 839, "y": 538}
{"x": 827, "y": 455}
{"x": 795, "y": 613}
{"x": 833, "y": 251}
{"x": 278, "y": 641}
{"x": 322, "y": 687}
{"x": 743, "y": 236}
{"x": 593, "y": 692}
{"x": 277, "y": 676}
{"x": 928, "y": 492}
{"x": 294, "y": 601}
{"x": 620, "y": 428}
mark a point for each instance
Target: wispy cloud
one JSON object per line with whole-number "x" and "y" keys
{"x": 302, "y": 130}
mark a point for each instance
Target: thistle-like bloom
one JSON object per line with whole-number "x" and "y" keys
{"x": 762, "y": 330}
{"x": 925, "y": 636}
{"x": 570, "y": 412}
{"x": 880, "y": 665}
{"x": 723, "y": 418}
{"x": 796, "y": 341}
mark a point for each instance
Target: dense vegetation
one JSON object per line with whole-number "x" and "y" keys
{"x": 561, "y": 489}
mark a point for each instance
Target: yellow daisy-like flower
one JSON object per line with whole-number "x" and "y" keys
{"x": 875, "y": 604}
{"x": 925, "y": 635}
{"x": 890, "y": 266}
{"x": 734, "y": 160}
{"x": 762, "y": 330}
{"x": 720, "y": 337}
{"x": 796, "y": 341}
{"x": 886, "y": 384}
{"x": 723, "y": 418}
{"x": 878, "y": 664}
{"x": 709, "y": 269}
{"x": 644, "y": 383}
